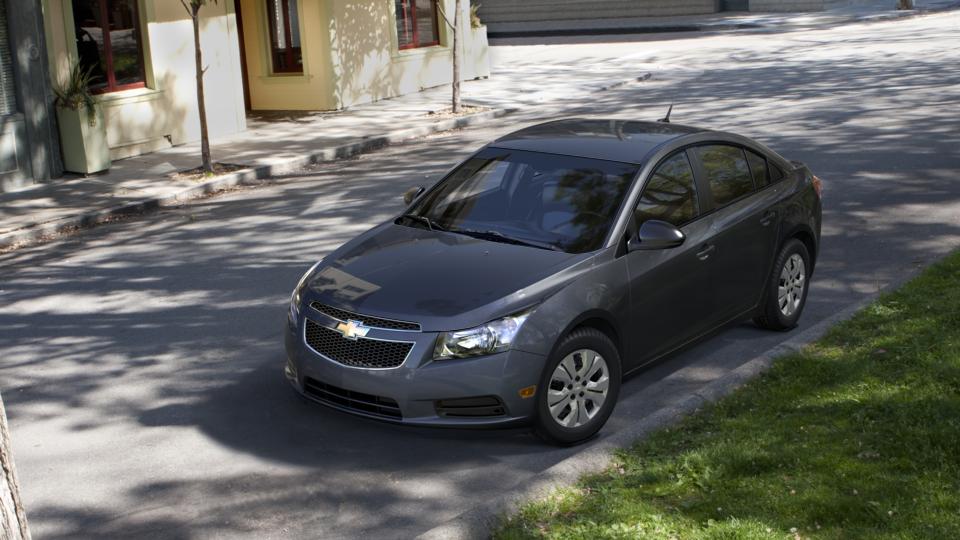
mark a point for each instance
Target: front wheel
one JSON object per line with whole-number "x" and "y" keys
{"x": 786, "y": 292}
{"x": 579, "y": 388}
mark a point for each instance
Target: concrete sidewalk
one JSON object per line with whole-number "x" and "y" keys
{"x": 273, "y": 143}
{"x": 835, "y": 12}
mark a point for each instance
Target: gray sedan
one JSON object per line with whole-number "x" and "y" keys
{"x": 524, "y": 285}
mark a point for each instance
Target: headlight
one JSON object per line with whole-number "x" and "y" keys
{"x": 493, "y": 337}
{"x": 298, "y": 292}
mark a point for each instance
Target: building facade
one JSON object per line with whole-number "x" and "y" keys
{"x": 259, "y": 54}
{"x": 28, "y": 143}
{"x": 331, "y": 54}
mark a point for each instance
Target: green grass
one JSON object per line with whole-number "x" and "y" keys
{"x": 858, "y": 436}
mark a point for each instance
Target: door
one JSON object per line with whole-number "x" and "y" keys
{"x": 670, "y": 289}
{"x": 744, "y": 226}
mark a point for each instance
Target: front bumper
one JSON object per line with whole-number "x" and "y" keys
{"x": 419, "y": 391}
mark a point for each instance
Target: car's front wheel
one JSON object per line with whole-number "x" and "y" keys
{"x": 786, "y": 292}
{"x": 579, "y": 388}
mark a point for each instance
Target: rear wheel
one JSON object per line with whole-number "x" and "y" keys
{"x": 579, "y": 388}
{"x": 786, "y": 292}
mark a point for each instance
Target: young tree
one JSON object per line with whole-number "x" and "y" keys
{"x": 13, "y": 519}
{"x": 455, "y": 31}
{"x": 193, "y": 8}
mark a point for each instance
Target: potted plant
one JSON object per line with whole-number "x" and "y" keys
{"x": 83, "y": 134}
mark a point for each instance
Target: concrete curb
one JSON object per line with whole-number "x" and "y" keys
{"x": 35, "y": 233}
{"x": 481, "y": 520}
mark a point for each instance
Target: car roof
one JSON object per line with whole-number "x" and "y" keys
{"x": 612, "y": 140}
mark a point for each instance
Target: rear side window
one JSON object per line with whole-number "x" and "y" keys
{"x": 670, "y": 194}
{"x": 727, "y": 172}
{"x": 776, "y": 174}
{"x": 758, "y": 168}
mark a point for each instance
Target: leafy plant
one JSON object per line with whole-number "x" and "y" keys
{"x": 475, "y": 21}
{"x": 75, "y": 93}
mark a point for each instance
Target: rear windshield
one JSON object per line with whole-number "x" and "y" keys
{"x": 550, "y": 201}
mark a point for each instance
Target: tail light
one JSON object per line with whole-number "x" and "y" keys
{"x": 818, "y": 186}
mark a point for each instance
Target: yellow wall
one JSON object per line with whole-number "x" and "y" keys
{"x": 368, "y": 65}
{"x": 351, "y": 56}
{"x": 284, "y": 91}
{"x": 165, "y": 112}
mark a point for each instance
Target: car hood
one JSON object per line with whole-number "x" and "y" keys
{"x": 444, "y": 281}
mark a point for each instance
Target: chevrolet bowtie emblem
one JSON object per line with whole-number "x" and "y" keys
{"x": 352, "y": 329}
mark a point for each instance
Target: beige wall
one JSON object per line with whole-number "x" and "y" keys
{"x": 165, "y": 112}
{"x": 309, "y": 91}
{"x": 351, "y": 56}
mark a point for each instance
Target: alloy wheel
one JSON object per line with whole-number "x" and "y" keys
{"x": 790, "y": 287}
{"x": 578, "y": 388}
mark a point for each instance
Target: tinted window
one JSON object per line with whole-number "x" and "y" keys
{"x": 560, "y": 202}
{"x": 776, "y": 173}
{"x": 758, "y": 166}
{"x": 727, "y": 172}
{"x": 670, "y": 194}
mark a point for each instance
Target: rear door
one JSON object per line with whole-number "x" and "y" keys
{"x": 743, "y": 224}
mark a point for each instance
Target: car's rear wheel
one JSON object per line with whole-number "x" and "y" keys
{"x": 579, "y": 388}
{"x": 786, "y": 292}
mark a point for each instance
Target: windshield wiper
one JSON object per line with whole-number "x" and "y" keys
{"x": 498, "y": 236}
{"x": 432, "y": 225}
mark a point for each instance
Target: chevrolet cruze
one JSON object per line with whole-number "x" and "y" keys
{"x": 524, "y": 285}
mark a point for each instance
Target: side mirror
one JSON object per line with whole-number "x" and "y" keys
{"x": 656, "y": 234}
{"x": 411, "y": 194}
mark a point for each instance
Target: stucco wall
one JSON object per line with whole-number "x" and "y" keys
{"x": 165, "y": 112}
{"x": 350, "y": 56}
{"x": 313, "y": 90}
{"x": 368, "y": 66}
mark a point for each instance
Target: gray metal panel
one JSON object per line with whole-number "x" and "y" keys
{"x": 8, "y": 100}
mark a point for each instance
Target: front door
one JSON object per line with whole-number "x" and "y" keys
{"x": 671, "y": 297}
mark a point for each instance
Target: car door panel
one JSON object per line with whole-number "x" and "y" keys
{"x": 743, "y": 230}
{"x": 670, "y": 293}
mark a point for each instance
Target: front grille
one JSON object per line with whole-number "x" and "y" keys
{"x": 348, "y": 399}
{"x": 373, "y": 322}
{"x": 476, "y": 407}
{"x": 361, "y": 352}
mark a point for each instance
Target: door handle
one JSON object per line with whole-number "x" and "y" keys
{"x": 767, "y": 218}
{"x": 706, "y": 251}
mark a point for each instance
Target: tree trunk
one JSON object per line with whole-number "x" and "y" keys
{"x": 201, "y": 104}
{"x": 13, "y": 519}
{"x": 456, "y": 56}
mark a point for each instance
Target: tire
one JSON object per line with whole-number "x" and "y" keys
{"x": 782, "y": 311}
{"x": 574, "y": 351}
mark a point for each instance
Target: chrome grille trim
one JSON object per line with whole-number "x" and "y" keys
{"x": 380, "y": 323}
{"x": 331, "y": 345}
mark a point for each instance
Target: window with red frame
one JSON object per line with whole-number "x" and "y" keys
{"x": 417, "y": 23}
{"x": 286, "y": 54}
{"x": 109, "y": 43}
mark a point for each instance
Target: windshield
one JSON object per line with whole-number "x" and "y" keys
{"x": 542, "y": 200}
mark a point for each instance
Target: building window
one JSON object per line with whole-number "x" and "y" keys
{"x": 109, "y": 43}
{"x": 417, "y": 23}
{"x": 285, "y": 50}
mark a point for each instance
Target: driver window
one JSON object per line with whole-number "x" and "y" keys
{"x": 670, "y": 195}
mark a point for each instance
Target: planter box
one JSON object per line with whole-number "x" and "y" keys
{"x": 83, "y": 143}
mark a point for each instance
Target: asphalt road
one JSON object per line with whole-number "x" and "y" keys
{"x": 141, "y": 361}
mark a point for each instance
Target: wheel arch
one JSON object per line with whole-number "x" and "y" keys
{"x": 600, "y": 321}
{"x": 806, "y": 236}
